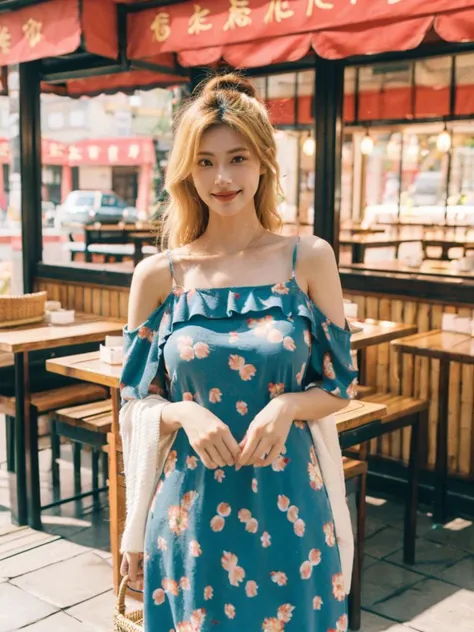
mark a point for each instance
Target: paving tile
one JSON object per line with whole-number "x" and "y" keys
{"x": 18, "y": 608}
{"x": 98, "y": 612}
{"x": 431, "y": 606}
{"x": 373, "y": 623}
{"x": 391, "y": 512}
{"x": 59, "y": 622}
{"x": 382, "y": 580}
{"x": 69, "y": 582}
{"x": 461, "y": 574}
{"x": 22, "y": 539}
{"x": 431, "y": 557}
{"x": 458, "y": 533}
{"x": 39, "y": 557}
{"x": 369, "y": 561}
{"x": 384, "y": 542}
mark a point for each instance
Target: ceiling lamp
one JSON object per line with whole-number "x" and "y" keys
{"x": 309, "y": 146}
{"x": 443, "y": 142}
{"x": 367, "y": 144}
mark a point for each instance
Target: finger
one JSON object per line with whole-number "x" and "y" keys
{"x": 124, "y": 566}
{"x": 232, "y": 446}
{"x": 262, "y": 451}
{"x": 215, "y": 456}
{"x": 250, "y": 447}
{"x": 225, "y": 453}
{"x": 273, "y": 454}
{"x": 206, "y": 459}
{"x": 133, "y": 568}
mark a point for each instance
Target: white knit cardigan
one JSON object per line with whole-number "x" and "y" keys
{"x": 145, "y": 453}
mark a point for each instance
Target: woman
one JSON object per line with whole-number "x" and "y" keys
{"x": 239, "y": 532}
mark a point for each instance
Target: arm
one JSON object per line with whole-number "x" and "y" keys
{"x": 151, "y": 283}
{"x": 319, "y": 267}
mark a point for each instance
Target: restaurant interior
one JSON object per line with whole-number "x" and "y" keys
{"x": 376, "y": 149}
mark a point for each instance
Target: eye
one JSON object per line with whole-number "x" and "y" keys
{"x": 238, "y": 159}
{"x": 204, "y": 162}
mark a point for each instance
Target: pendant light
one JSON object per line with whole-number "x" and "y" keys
{"x": 443, "y": 142}
{"x": 367, "y": 144}
{"x": 309, "y": 145}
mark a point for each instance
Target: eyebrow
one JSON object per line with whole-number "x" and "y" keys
{"x": 232, "y": 151}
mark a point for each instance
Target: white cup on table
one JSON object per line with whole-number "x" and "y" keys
{"x": 463, "y": 325}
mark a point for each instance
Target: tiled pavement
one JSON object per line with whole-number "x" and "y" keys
{"x": 59, "y": 580}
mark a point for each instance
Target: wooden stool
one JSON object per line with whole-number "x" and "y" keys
{"x": 355, "y": 474}
{"x": 87, "y": 424}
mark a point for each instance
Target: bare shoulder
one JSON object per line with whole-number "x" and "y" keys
{"x": 314, "y": 253}
{"x": 317, "y": 265}
{"x": 151, "y": 284}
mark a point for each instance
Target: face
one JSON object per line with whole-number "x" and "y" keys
{"x": 226, "y": 173}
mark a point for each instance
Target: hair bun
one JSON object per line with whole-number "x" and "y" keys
{"x": 230, "y": 83}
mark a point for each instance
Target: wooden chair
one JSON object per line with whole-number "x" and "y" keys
{"x": 87, "y": 424}
{"x": 355, "y": 474}
{"x": 403, "y": 412}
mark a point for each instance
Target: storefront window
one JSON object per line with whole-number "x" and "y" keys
{"x": 281, "y": 99}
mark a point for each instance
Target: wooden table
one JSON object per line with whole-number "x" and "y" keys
{"x": 360, "y": 243}
{"x": 353, "y": 429}
{"x": 375, "y": 332}
{"x": 446, "y": 243}
{"x": 446, "y": 347}
{"x": 20, "y": 341}
{"x": 427, "y": 268}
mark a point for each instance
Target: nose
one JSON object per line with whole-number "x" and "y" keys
{"x": 222, "y": 177}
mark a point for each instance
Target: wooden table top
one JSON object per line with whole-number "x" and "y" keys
{"x": 145, "y": 226}
{"x": 427, "y": 268}
{"x": 85, "y": 328}
{"x": 88, "y": 367}
{"x": 375, "y": 332}
{"x": 439, "y": 344}
{"x": 462, "y": 242}
{"x": 375, "y": 241}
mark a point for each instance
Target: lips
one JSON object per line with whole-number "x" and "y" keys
{"x": 228, "y": 196}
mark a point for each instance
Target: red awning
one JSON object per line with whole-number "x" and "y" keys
{"x": 250, "y": 33}
{"x": 58, "y": 27}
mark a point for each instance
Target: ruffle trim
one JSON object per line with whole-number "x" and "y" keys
{"x": 145, "y": 344}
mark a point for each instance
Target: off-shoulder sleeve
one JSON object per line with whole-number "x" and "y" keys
{"x": 144, "y": 370}
{"x": 330, "y": 366}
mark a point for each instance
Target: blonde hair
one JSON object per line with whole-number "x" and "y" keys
{"x": 223, "y": 100}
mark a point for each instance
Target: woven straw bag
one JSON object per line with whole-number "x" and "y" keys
{"x": 126, "y": 621}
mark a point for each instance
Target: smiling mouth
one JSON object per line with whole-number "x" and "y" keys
{"x": 226, "y": 197}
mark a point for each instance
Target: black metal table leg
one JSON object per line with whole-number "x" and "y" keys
{"x": 19, "y": 499}
{"x": 441, "y": 467}
{"x": 26, "y": 449}
{"x": 411, "y": 501}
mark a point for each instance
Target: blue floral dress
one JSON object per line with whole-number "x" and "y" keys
{"x": 254, "y": 548}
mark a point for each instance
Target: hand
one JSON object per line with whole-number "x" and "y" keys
{"x": 208, "y": 436}
{"x": 132, "y": 565}
{"x": 267, "y": 433}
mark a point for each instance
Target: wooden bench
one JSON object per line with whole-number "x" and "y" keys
{"x": 86, "y": 424}
{"x": 355, "y": 474}
{"x": 365, "y": 391}
{"x": 44, "y": 402}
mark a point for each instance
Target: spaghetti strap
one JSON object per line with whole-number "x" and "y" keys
{"x": 170, "y": 262}
{"x": 295, "y": 254}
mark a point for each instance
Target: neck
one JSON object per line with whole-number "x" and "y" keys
{"x": 228, "y": 235}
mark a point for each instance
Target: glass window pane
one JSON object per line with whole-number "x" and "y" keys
{"x": 461, "y": 187}
{"x": 281, "y": 98}
{"x": 424, "y": 175}
{"x": 306, "y": 80}
{"x": 385, "y": 91}
{"x": 259, "y": 83}
{"x": 464, "y": 84}
{"x": 349, "y": 94}
{"x": 432, "y": 79}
